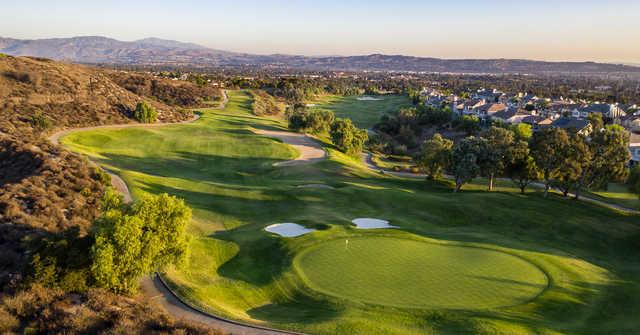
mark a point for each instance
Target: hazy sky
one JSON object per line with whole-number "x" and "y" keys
{"x": 536, "y": 29}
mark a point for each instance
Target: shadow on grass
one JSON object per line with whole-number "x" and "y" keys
{"x": 300, "y": 309}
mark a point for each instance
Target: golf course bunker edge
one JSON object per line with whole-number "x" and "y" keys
{"x": 411, "y": 273}
{"x": 371, "y": 223}
{"x": 288, "y": 229}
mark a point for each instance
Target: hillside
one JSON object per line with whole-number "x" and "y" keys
{"x": 153, "y": 51}
{"x": 50, "y": 194}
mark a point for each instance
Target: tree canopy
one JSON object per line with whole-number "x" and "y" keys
{"x": 347, "y": 137}
{"x": 145, "y": 113}
{"x": 131, "y": 241}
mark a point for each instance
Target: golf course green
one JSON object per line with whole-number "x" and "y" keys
{"x": 470, "y": 262}
{"x": 414, "y": 274}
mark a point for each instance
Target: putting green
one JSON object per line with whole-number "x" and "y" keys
{"x": 410, "y": 273}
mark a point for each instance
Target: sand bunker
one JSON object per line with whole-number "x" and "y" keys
{"x": 288, "y": 229}
{"x": 316, "y": 186}
{"x": 369, "y": 99}
{"x": 311, "y": 105}
{"x": 368, "y": 223}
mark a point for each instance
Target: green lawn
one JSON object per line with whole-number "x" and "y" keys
{"x": 225, "y": 173}
{"x": 363, "y": 113}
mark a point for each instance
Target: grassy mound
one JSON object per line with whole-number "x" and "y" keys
{"x": 414, "y": 274}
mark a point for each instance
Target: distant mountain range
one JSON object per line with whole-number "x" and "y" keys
{"x": 154, "y": 51}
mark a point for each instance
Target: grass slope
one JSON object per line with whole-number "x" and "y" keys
{"x": 363, "y": 113}
{"x": 235, "y": 269}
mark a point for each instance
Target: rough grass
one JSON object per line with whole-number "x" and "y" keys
{"x": 363, "y": 113}
{"x": 236, "y": 269}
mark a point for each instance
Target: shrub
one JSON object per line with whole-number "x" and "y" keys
{"x": 102, "y": 177}
{"x": 145, "y": 113}
{"x": 40, "y": 121}
{"x": 264, "y": 104}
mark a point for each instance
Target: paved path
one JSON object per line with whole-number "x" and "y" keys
{"x": 368, "y": 162}
{"x": 310, "y": 150}
{"x": 159, "y": 294}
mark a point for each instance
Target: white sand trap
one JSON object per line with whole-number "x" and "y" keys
{"x": 311, "y": 105}
{"x": 368, "y": 223}
{"x": 288, "y": 229}
{"x": 369, "y": 99}
{"x": 316, "y": 186}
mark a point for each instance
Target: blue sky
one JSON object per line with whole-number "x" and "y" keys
{"x": 552, "y": 30}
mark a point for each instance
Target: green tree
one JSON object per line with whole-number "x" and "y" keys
{"x": 597, "y": 123}
{"x": 548, "y": 149}
{"x": 609, "y": 148}
{"x": 145, "y": 113}
{"x": 470, "y": 124}
{"x": 304, "y": 120}
{"x": 520, "y": 167}
{"x": 577, "y": 158}
{"x": 522, "y": 131}
{"x": 131, "y": 241}
{"x": 499, "y": 140}
{"x": 633, "y": 181}
{"x": 347, "y": 137}
{"x": 467, "y": 160}
{"x": 435, "y": 155}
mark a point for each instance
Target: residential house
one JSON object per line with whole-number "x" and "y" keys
{"x": 572, "y": 124}
{"x": 608, "y": 110}
{"x": 487, "y": 110}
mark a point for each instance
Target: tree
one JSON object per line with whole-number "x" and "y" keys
{"x": 347, "y": 137}
{"x": 573, "y": 168}
{"x": 470, "y": 124}
{"x": 435, "y": 156}
{"x": 609, "y": 149}
{"x": 467, "y": 159}
{"x": 499, "y": 140}
{"x": 596, "y": 121}
{"x": 633, "y": 181}
{"x": 548, "y": 149}
{"x": 145, "y": 113}
{"x": 520, "y": 167}
{"x": 312, "y": 121}
{"x": 131, "y": 241}
{"x": 522, "y": 131}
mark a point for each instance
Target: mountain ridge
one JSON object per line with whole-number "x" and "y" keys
{"x": 156, "y": 51}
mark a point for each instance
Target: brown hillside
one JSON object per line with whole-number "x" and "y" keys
{"x": 172, "y": 92}
{"x": 68, "y": 95}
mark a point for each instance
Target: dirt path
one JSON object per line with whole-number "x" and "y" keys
{"x": 310, "y": 150}
{"x": 368, "y": 162}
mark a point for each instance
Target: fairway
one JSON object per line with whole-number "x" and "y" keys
{"x": 471, "y": 262}
{"x": 415, "y": 274}
{"x": 364, "y": 113}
